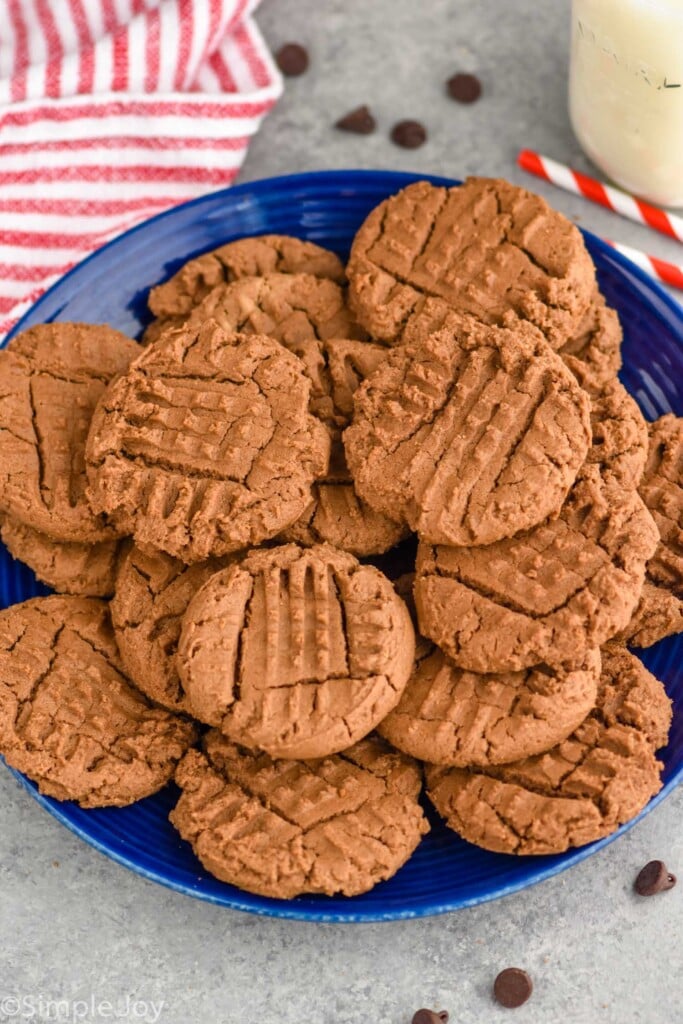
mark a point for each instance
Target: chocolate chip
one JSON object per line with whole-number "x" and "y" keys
{"x": 464, "y": 88}
{"x": 512, "y": 987}
{"x": 654, "y": 877}
{"x": 409, "y": 134}
{"x": 359, "y": 120}
{"x": 292, "y": 59}
{"x": 430, "y": 1017}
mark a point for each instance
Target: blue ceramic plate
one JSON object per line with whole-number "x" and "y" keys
{"x": 110, "y": 287}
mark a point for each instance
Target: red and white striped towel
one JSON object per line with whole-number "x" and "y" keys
{"x": 110, "y": 111}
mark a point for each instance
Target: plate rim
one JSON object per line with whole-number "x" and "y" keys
{"x": 337, "y": 179}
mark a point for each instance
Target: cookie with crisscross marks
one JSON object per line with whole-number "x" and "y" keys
{"x": 69, "y": 719}
{"x": 283, "y": 828}
{"x": 662, "y": 491}
{"x": 172, "y": 301}
{"x": 296, "y": 651}
{"x": 486, "y": 248}
{"x": 51, "y": 378}
{"x": 582, "y": 789}
{"x": 206, "y": 445}
{"x": 469, "y": 435}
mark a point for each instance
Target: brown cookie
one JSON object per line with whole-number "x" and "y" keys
{"x": 247, "y": 257}
{"x": 339, "y": 517}
{"x": 51, "y": 377}
{"x": 86, "y": 570}
{"x": 583, "y": 789}
{"x": 546, "y": 596}
{"x": 153, "y": 591}
{"x": 296, "y": 651}
{"x": 619, "y": 437}
{"x": 594, "y": 353}
{"x": 662, "y": 491}
{"x": 283, "y": 828}
{"x": 472, "y": 434}
{"x": 659, "y": 614}
{"x": 206, "y": 446}
{"x": 298, "y": 310}
{"x": 69, "y": 719}
{"x": 452, "y": 717}
{"x": 486, "y": 248}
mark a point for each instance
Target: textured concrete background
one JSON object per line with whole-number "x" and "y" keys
{"x": 77, "y": 926}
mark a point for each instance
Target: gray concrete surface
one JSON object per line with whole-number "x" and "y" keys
{"x": 79, "y": 928}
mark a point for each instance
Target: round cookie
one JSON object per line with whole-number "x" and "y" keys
{"x": 69, "y": 719}
{"x": 247, "y": 257}
{"x": 284, "y": 828}
{"x": 659, "y": 614}
{"x": 206, "y": 446}
{"x": 594, "y": 353}
{"x": 51, "y": 378}
{"x": 153, "y": 591}
{"x": 470, "y": 435}
{"x": 87, "y": 570}
{"x": 662, "y": 491}
{"x": 299, "y": 652}
{"x": 452, "y": 717}
{"x": 546, "y": 596}
{"x": 486, "y": 248}
{"x": 583, "y": 789}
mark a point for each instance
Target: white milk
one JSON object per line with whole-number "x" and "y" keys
{"x": 626, "y": 92}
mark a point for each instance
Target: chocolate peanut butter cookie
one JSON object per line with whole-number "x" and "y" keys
{"x": 662, "y": 491}
{"x": 619, "y": 437}
{"x": 560, "y": 589}
{"x": 87, "y": 570}
{"x": 486, "y": 248}
{"x": 583, "y": 789}
{"x": 153, "y": 591}
{"x": 473, "y": 434}
{"x": 546, "y": 596}
{"x": 594, "y": 353}
{"x": 297, "y": 310}
{"x": 283, "y": 828}
{"x": 206, "y": 445}
{"x": 69, "y": 718}
{"x": 51, "y": 378}
{"x": 659, "y": 614}
{"x": 296, "y": 651}
{"x": 174, "y": 300}
{"x": 452, "y": 717}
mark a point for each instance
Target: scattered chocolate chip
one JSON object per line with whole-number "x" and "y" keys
{"x": 409, "y": 134}
{"x": 359, "y": 120}
{"x": 654, "y": 877}
{"x": 430, "y": 1017}
{"x": 464, "y": 88}
{"x": 292, "y": 59}
{"x": 512, "y": 987}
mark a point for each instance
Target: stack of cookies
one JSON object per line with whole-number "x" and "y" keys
{"x": 335, "y": 534}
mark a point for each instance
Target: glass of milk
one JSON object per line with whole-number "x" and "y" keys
{"x": 626, "y": 92}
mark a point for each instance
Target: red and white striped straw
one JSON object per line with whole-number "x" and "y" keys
{"x": 668, "y": 273}
{"x": 605, "y": 195}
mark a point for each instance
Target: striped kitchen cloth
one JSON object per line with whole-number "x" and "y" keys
{"x": 110, "y": 111}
